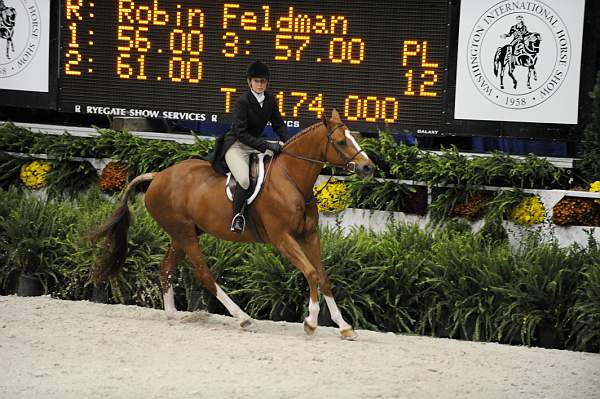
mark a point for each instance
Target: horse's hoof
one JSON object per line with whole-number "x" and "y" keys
{"x": 173, "y": 315}
{"x": 349, "y": 335}
{"x": 308, "y": 329}
{"x": 246, "y": 323}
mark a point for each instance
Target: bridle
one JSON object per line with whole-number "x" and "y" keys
{"x": 348, "y": 165}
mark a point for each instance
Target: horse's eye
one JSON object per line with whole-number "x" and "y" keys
{"x": 341, "y": 142}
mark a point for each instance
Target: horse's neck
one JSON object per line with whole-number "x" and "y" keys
{"x": 303, "y": 172}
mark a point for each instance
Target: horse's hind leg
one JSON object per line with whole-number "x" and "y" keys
{"x": 511, "y": 69}
{"x": 204, "y": 276}
{"x": 312, "y": 249}
{"x": 167, "y": 270}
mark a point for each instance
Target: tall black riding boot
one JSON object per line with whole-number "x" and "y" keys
{"x": 240, "y": 196}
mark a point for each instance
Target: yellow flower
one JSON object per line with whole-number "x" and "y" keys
{"x": 33, "y": 174}
{"x": 529, "y": 211}
{"x": 332, "y": 196}
{"x": 595, "y": 188}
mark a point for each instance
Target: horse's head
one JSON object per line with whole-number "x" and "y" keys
{"x": 343, "y": 150}
{"x": 532, "y": 42}
{"x": 9, "y": 15}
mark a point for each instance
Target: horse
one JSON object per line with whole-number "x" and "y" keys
{"x": 188, "y": 199}
{"x": 528, "y": 58}
{"x": 7, "y": 28}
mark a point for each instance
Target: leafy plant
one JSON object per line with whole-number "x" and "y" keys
{"x": 590, "y": 164}
{"x": 585, "y": 313}
{"x": 30, "y": 239}
{"x": 10, "y": 169}
{"x": 69, "y": 177}
{"x": 450, "y": 167}
{"x": 371, "y": 194}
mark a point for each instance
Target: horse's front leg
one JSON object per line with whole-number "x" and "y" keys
{"x": 167, "y": 270}
{"x": 292, "y": 250}
{"x": 312, "y": 248}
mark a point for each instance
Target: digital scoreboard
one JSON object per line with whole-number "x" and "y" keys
{"x": 381, "y": 64}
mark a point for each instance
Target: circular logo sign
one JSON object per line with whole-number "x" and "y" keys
{"x": 519, "y": 53}
{"x": 20, "y": 35}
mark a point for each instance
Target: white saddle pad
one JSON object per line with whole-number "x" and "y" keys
{"x": 259, "y": 181}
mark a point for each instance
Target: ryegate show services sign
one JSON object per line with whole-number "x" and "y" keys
{"x": 519, "y": 60}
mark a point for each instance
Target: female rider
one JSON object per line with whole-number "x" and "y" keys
{"x": 252, "y": 111}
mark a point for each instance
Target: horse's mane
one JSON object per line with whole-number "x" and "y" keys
{"x": 303, "y": 133}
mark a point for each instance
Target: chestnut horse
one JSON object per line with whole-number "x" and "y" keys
{"x": 189, "y": 197}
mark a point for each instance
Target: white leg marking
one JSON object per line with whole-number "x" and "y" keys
{"x": 351, "y": 138}
{"x": 336, "y": 315}
{"x": 231, "y": 306}
{"x": 169, "y": 299}
{"x": 313, "y": 313}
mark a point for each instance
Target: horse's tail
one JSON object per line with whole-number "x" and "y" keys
{"x": 115, "y": 232}
{"x": 497, "y": 60}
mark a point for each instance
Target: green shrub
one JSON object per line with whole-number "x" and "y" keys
{"x": 32, "y": 232}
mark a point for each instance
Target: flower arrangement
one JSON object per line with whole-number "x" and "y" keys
{"x": 33, "y": 174}
{"x": 595, "y": 188}
{"x": 113, "y": 176}
{"x": 472, "y": 208}
{"x": 332, "y": 197}
{"x": 529, "y": 211}
{"x": 571, "y": 210}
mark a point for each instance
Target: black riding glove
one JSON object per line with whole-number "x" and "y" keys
{"x": 274, "y": 147}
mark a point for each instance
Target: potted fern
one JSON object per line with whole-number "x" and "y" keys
{"x": 30, "y": 245}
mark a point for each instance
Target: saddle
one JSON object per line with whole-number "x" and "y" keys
{"x": 257, "y": 177}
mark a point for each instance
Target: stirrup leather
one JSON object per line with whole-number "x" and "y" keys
{"x": 233, "y": 222}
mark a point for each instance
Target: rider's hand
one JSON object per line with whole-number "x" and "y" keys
{"x": 274, "y": 147}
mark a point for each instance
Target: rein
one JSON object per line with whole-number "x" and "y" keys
{"x": 324, "y": 163}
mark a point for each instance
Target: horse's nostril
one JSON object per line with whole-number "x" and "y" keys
{"x": 367, "y": 169}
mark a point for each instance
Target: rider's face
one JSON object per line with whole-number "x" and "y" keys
{"x": 258, "y": 85}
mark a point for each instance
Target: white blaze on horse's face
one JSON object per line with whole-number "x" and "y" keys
{"x": 353, "y": 141}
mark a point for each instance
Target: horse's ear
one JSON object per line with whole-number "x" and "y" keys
{"x": 324, "y": 120}
{"x": 335, "y": 116}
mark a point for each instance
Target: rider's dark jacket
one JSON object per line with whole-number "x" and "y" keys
{"x": 518, "y": 33}
{"x": 249, "y": 121}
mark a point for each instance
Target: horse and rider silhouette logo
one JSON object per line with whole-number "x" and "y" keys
{"x": 518, "y": 53}
{"x": 8, "y": 16}
{"x": 521, "y": 51}
{"x": 21, "y": 28}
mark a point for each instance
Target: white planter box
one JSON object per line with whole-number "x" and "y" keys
{"x": 378, "y": 221}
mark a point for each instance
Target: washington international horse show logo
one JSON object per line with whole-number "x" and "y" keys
{"x": 20, "y": 35}
{"x": 519, "y": 53}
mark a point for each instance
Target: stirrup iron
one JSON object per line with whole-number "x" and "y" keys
{"x": 235, "y": 218}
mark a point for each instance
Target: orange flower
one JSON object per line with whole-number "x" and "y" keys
{"x": 113, "y": 176}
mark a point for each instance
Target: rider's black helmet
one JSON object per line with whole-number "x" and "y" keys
{"x": 257, "y": 70}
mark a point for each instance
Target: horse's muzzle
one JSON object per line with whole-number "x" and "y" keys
{"x": 366, "y": 170}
